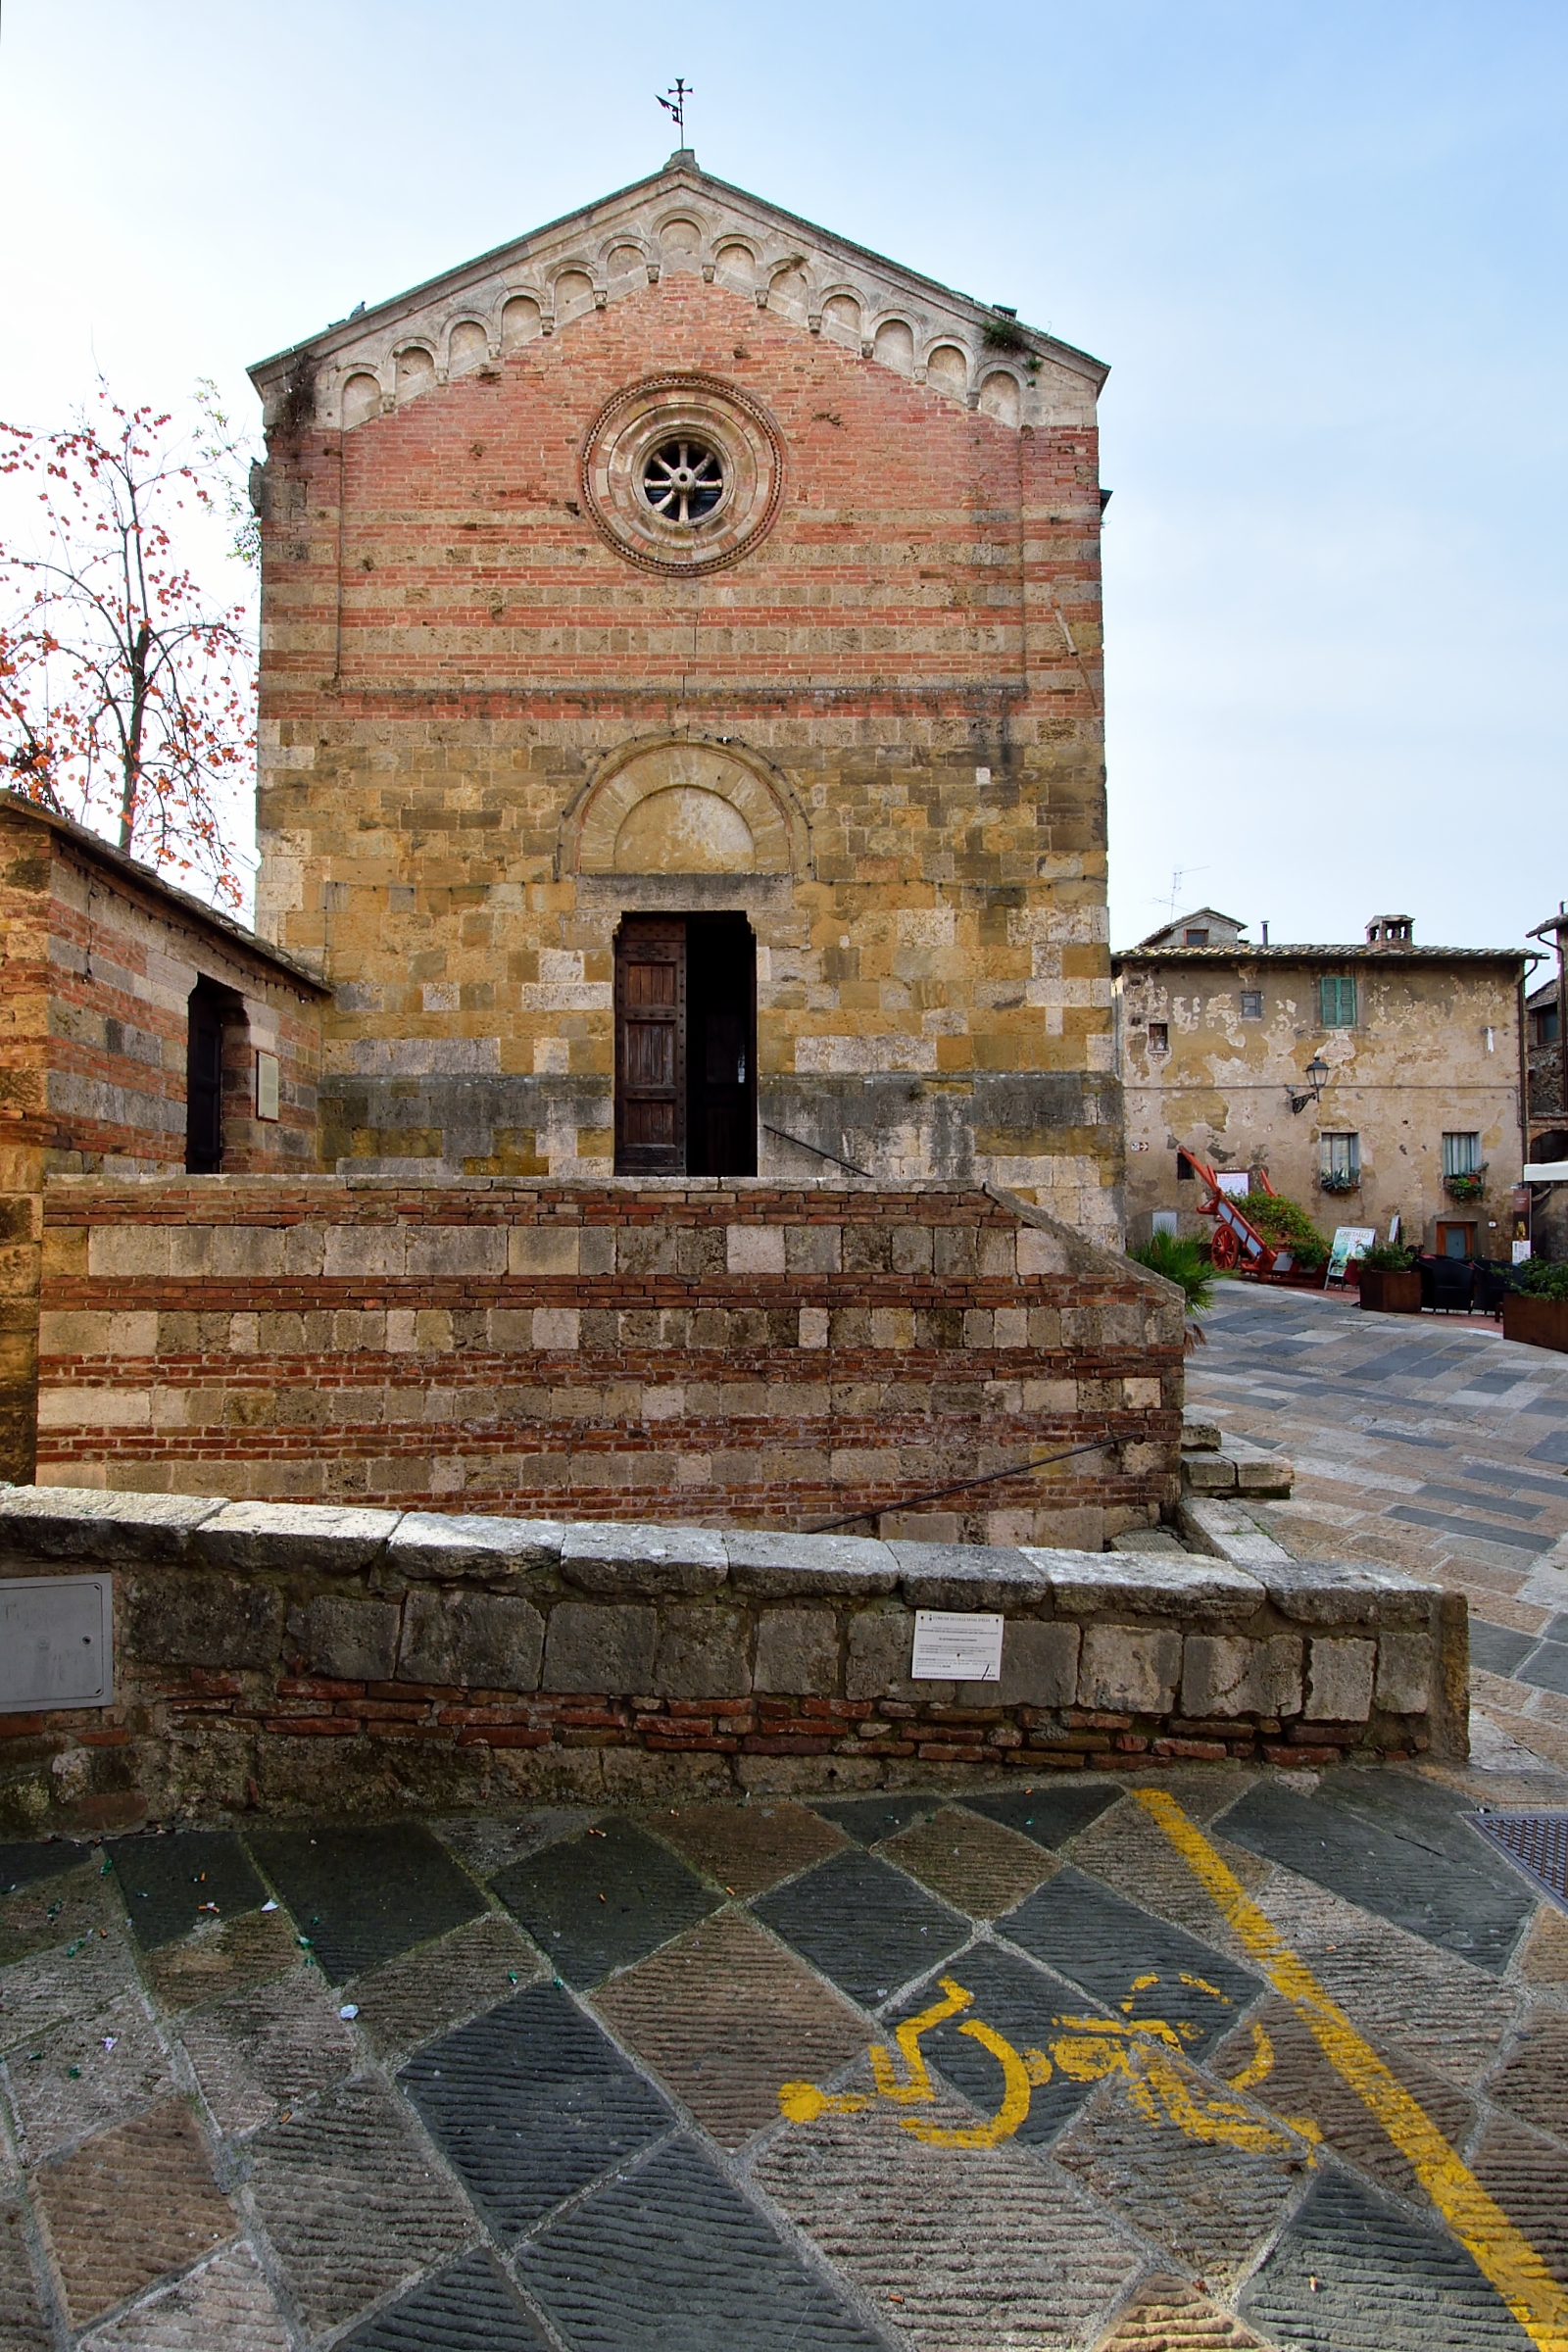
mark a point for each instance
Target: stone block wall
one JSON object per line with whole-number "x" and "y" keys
{"x": 294, "y": 1656}
{"x": 726, "y": 1351}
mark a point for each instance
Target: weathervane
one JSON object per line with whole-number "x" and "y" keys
{"x": 676, "y": 104}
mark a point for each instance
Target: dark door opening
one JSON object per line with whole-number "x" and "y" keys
{"x": 211, "y": 1014}
{"x": 686, "y": 1046}
{"x": 204, "y": 1085}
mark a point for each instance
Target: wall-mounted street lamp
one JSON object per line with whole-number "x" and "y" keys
{"x": 1317, "y": 1071}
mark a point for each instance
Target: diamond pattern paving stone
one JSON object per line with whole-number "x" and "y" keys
{"x": 1168, "y": 2314}
{"x": 529, "y": 2103}
{"x": 226, "y": 2303}
{"x": 1301, "y": 2083}
{"x": 600, "y": 1901}
{"x": 38, "y": 1858}
{"x": 429, "y": 1993}
{"x": 172, "y": 1884}
{"x": 222, "y": 1957}
{"x": 1533, "y": 2080}
{"x": 725, "y": 2017}
{"x": 365, "y": 1895}
{"x": 864, "y": 1925}
{"x": 87, "y": 2072}
{"x": 1023, "y": 2004}
{"x": 55, "y": 1910}
{"x": 1050, "y": 1816}
{"x": 267, "y": 2048}
{"x": 670, "y": 2258}
{"x": 1213, "y": 2206}
{"x": 1545, "y": 1957}
{"x": 23, "y": 2323}
{"x": 750, "y": 1847}
{"x": 1394, "y": 1987}
{"x": 484, "y": 1846}
{"x": 976, "y": 1865}
{"x": 1130, "y": 1852}
{"x": 468, "y": 2307}
{"x": 129, "y": 2207}
{"x": 1524, "y": 2171}
{"x": 1105, "y": 1944}
{"x": 47, "y": 1987}
{"x": 352, "y": 2205}
{"x": 956, "y": 2249}
{"x": 1425, "y": 1811}
{"x": 1447, "y": 1902}
{"x": 870, "y": 1819}
{"x": 1351, "y": 2273}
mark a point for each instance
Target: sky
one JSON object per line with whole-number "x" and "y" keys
{"x": 1321, "y": 250}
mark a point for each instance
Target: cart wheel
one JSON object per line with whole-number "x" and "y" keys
{"x": 1224, "y": 1250}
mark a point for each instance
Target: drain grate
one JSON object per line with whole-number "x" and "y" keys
{"x": 1535, "y": 1843}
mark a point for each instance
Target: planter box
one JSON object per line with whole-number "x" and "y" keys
{"x": 1537, "y": 1322}
{"x": 1391, "y": 1292}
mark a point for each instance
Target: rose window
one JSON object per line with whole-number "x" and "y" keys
{"x": 683, "y": 480}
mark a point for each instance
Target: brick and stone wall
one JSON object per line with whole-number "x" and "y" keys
{"x": 907, "y": 666}
{"x": 277, "y": 1655}
{"x": 729, "y": 1353}
{"x": 99, "y": 959}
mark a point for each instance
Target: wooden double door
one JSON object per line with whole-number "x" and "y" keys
{"x": 685, "y": 1046}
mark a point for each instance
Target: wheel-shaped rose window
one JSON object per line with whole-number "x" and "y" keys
{"x": 682, "y": 472}
{"x": 683, "y": 480}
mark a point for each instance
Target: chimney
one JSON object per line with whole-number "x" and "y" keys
{"x": 1390, "y": 931}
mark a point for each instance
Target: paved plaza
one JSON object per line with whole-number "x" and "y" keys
{"x": 1431, "y": 1443}
{"x": 1186, "y": 2062}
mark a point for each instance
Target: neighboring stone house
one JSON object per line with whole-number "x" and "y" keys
{"x": 1420, "y": 1114}
{"x": 1545, "y": 1040}
{"x": 141, "y": 1033}
{"x": 682, "y": 714}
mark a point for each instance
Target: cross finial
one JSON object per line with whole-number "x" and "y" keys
{"x": 676, "y": 104}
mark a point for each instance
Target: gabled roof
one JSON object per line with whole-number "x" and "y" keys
{"x": 1183, "y": 922}
{"x": 682, "y": 218}
{"x": 145, "y": 878}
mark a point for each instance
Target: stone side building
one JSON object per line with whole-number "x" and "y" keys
{"x": 1421, "y": 1113}
{"x": 141, "y": 1033}
{"x": 681, "y": 715}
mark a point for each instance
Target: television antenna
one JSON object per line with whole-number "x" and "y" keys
{"x": 676, "y": 104}
{"x": 1179, "y": 875}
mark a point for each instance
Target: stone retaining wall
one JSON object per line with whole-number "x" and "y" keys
{"x": 724, "y": 1352}
{"x": 283, "y": 1656}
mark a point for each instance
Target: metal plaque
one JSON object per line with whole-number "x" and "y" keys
{"x": 56, "y": 1647}
{"x": 955, "y": 1645}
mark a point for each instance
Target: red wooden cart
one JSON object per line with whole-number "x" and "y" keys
{"x": 1236, "y": 1243}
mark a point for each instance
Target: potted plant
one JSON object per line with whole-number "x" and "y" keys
{"x": 1535, "y": 1310}
{"x": 1186, "y": 1265}
{"x": 1293, "y": 1232}
{"x": 1338, "y": 1180}
{"x": 1472, "y": 1186}
{"x": 1391, "y": 1283}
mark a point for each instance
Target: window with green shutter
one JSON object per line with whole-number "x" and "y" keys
{"x": 1337, "y": 1000}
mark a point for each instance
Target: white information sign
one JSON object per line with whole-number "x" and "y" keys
{"x": 954, "y": 1645}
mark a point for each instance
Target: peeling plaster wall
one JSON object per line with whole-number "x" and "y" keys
{"x": 1415, "y": 1064}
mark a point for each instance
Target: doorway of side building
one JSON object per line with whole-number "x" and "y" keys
{"x": 214, "y": 1020}
{"x": 1456, "y": 1239}
{"x": 686, "y": 1046}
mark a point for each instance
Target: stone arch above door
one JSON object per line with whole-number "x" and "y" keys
{"x": 685, "y": 807}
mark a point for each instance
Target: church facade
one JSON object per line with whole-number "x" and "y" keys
{"x": 681, "y": 716}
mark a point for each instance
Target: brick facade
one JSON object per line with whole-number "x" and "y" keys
{"x": 723, "y": 1353}
{"x": 889, "y": 704}
{"x": 100, "y": 961}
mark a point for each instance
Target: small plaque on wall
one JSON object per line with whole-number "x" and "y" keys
{"x": 56, "y": 1642}
{"x": 266, "y": 1086}
{"x": 955, "y": 1645}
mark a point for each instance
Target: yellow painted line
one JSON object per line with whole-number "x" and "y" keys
{"x": 1500, "y": 2251}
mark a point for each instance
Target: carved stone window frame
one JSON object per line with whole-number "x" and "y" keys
{"x": 639, "y": 419}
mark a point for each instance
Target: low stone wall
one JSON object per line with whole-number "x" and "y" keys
{"x": 295, "y": 1656}
{"x": 723, "y": 1352}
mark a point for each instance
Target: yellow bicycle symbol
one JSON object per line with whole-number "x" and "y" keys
{"x": 1140, "y": 2048}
